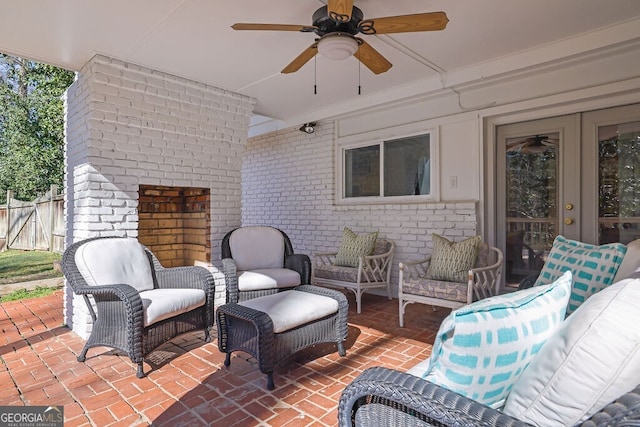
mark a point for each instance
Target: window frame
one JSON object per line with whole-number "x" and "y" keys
{"x": 379, "y": 138}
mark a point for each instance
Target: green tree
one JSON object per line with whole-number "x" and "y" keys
{"x": 31, "y": 126}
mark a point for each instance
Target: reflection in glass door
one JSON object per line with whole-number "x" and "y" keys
{"x": 531, "y": 203}
{"x": 538, "y": 193}
{"x": 619, "y": 182}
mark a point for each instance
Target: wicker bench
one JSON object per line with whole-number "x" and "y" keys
{"x": 273, "y": 327}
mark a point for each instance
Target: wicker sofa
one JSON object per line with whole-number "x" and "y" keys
{"x": 593, "y": 357}
{"x": 139, "y": 304}
{"x": 386, "y": 397}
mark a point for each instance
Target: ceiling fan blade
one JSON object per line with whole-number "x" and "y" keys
{"x": 340, "y": 10}
{"x": 371, "y": 58}
{"x": 274, "y": 27}
{"x": 432, "y": 21}
{"x": 301, "y": 59}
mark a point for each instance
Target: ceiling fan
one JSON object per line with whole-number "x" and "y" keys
{"x": 337, "y": 25}
{"x": 537, "y": 144}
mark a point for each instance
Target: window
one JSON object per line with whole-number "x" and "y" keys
{"x": 389, "y": 168}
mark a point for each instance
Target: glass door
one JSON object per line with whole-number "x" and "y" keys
{"x": 612, "y": 165}
{"x": 538, "y": 191}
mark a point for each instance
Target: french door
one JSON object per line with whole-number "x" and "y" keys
{"x": 576, "y": 175}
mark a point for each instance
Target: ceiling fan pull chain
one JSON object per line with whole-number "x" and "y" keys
{"x": 315, "y": 75}
{"x": 359, "y": 68}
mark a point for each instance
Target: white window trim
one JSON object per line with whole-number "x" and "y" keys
{"x": 379, "y": 137}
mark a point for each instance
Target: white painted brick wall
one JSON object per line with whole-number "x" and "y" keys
{"x": 128, "y": 125}
{"x": 289, "y": 182}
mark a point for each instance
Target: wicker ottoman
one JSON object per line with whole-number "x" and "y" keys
{"x": 273, "y": 327}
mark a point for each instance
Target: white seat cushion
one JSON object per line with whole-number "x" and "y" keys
{"x": 630, "y": 263}
{"x": 161, "y": 304}
{"x": 267, "y": 278}
{"x": 114, "y": 261}
{"x": 257, "y": 247}
{"x": 591, "y": 360}
{"x": 289, "y": 309}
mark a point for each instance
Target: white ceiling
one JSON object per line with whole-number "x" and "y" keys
{"x": 193, "y": 39}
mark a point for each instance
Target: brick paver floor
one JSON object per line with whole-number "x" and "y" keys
{"x": 187, "y": 383}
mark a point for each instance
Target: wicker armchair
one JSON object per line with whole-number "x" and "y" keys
{"x": 139, "y": 305}
{"x": 483, "y": 282}
{"x": 259, "y": 260}
{"x": 385, "y": 397}
{"x": 373, "y": 271}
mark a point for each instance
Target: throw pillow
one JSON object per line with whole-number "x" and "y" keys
{"x": 482, "y": 349}
{"x": 592, "y": 359}
{"x": 452, "y": 261}
{"x": 353, "y": 247}
{"x": 593, "y": 267}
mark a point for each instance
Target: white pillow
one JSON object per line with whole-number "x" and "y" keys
{"x": 591, "y": 360}
{"x": 482, "y": 348}
{"x": 257, "y": 247}
{"x": 113, "y": 261}
{"x": 631, "y": 261}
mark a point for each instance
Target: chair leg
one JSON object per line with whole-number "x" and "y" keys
{"x": 227, "y": 360}
{"x": 207, "y": 335}
{"x": 270, "y": 383}
{"x": 401, "y": 312}
{"x": 140, "y": 372}
{"x": 341, "y": 351}
{"x": 83, "y": 354}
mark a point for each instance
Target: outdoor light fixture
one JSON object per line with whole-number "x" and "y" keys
{"x": 308, "y": 128}
{"x": 337, "y": 46}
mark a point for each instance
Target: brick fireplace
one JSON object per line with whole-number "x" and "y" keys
{"x": 175, "y": 223}
{"x": 152, "y": 156}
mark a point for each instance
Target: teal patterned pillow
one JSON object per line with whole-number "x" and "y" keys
{"x": 353, "y": 247}
{"x": 593, "y": 267}
{"x": 482, "y": 348}
{"x": 452, "y": 261}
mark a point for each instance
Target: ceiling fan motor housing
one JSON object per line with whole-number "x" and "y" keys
{"x": 326, "y": 25}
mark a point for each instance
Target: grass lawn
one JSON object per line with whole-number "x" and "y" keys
{"x": 24, "y": 266}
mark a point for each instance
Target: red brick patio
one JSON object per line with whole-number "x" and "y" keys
{"x": 187, "y": 383}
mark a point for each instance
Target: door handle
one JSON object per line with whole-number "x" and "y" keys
{"x": 568, "y": 221}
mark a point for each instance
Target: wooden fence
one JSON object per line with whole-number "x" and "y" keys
{"x": 35, "y": 225}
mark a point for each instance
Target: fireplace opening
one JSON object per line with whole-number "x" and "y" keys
{"x": 175, "y": 223}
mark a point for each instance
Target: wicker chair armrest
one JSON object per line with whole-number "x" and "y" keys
{"x": 231, "y": 279}
{"x": 121, "y": 291}
{"x": 300, "y": 263}
{"x": 624, "y": 411}
{"x": 398, "y": 397}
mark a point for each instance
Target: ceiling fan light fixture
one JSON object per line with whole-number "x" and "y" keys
{"x": 337, "y": 46}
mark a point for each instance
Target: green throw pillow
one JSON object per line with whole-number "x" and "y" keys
{"x": 451, "y": 261}
{"x": 353, "y": 246}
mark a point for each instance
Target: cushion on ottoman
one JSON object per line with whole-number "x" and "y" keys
{"x": 290, "y": 309}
